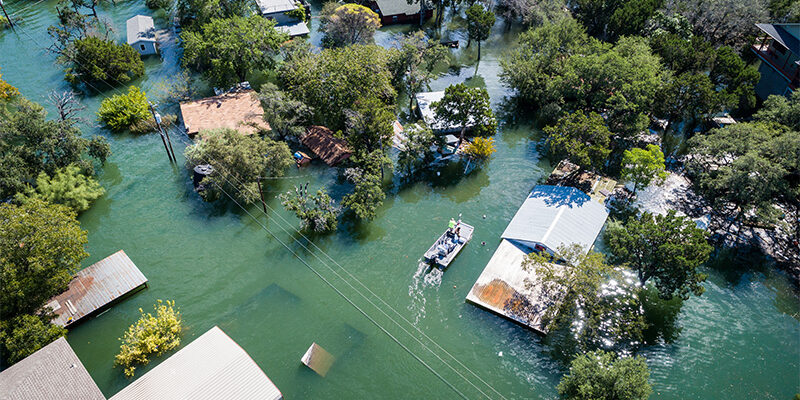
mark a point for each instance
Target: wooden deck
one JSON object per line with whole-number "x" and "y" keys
{"x": 97, "y": 287}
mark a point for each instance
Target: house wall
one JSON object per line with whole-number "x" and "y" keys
{"x": 771, "y": 82}
{"x": 145, "y": 48}
{"x": 777, "y": 63}
{"x": 404, "y": 18}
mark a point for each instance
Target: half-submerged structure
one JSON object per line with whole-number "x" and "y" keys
{"x": 142, "y": 34}
{"x": 779, "y": 51}
{"x": 284, "y": 14}
{"x": 399, "y": 11}
{"x": 237, "y": 109}
{"x": 425, "y": 106}
{"x": 213, "y": 366}
{"x": 330, "y": 149}
{"x": 96, "y": 288}
{"x": 53, "y": 372}
{"x": 550, "y": 217}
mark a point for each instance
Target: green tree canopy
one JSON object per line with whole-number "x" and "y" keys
{"x": 195, "y": 13}
{"x": 643, "y": 166}
{"x": 122, "y": 111}
{"x": 349, "y": 24}
{"x": 416, "y": 151}
{"x": 602, "y": 375}
{"x": 463, "y": 106}
{"x": 99, "y": 61}
{"x": 239, "y": 161}
{"x": 69, "y": 186}
{"x": 479, "y": 24}
{"x": 687, "y": 97}
{"x": 286, "y": 116}
{"x": 785, "y": 111}
{"x": 368, "y": 126}
{"x": 367, "y": 193}
{"x": 24, "y": 335}
{"x": 682, "y": 55}
{"x": 413, "y": 62}
{"x": 150, "y": 335}
{"x": 317, "y": 212}
{"x": 667, "y": 250}
{"x": 735, "y": 79}
{"x": 226, "y": 50}
{"x": 581, "y": 138}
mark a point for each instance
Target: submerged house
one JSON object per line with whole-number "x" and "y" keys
{"x": 399, "y": 11}
{"x": 551, "y": 216}
{"x": 779, "y": 51}
{"x": 142, "y": 34}
{"x": 283, "y": 13}
{"x": 330, "y": 149}
{"x": 425, "y": 106}
{"x": 237, "y": 109}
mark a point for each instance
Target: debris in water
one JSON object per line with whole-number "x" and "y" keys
{"x": 484, "y": 216}
{"x": 500, "y": 354}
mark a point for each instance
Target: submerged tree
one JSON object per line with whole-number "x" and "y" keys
{"x": 465, "y": 107}
{"x": 99, "y": 61}
{"x": 7, "y": 91}
{"x": 367, "y": 193}
{"x": 643, "y": 166}
{"x": 666, "y": 250}
{"x": 316, "y": 211}
{"x": 348, "y": 24}
{"x": 583, "y": 139}
{"x": 69, "y": 186}
{"x": 151, "y": 335}
{"x": 413, "y": 62}
{"x": 286, "y": 116}
{"x": 602, "y": 375}
{"x": 416, "y": 150}
{"x": 480, "y": 149}
{"x": 479, "y": 24}
{"x": 122, "y": 111}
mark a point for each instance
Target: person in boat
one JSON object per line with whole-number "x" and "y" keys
{"x": 452, "y": 224}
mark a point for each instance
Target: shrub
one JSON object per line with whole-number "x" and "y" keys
{"x": 480, "y": 148}
{"x": 122, "y": 111}
{"x": 150, "y": 335}
{"x": 69, "y": 186}
{"x": 111, "y": 63}
{"x": 318, "y": 212}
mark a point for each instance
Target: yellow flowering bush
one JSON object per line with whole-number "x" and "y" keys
{"x": 150, "y": 335}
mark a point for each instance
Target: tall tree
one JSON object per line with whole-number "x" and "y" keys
{"x": 349, "y": 24}
{"x": 367, "y": 193}
{"x": 687, "y": 97}
{"x": 682, "y": 55}
{"x": 785, "y": 111}
{"x": 665, "y": 249}
{"x": 583, "y": 139}
{"x": 98, "y": 61}
{"x": 317, "y": 212}
{"x": 463, "y": 107}
{"x": 226, "y": 50}
{"x": 602, "y": 375}
{"x": 416, "y": 150}
{"x": 735, "y": 79}
{"x": 479, "y": 24}
{"x": 413, "y": 62}
{"x": 722, "y": 22}
{"x": 286, "y": 116}
{"x": 643, "y": 166}
{"x": 531, "y": 12}
{"x": 368, "y": 126}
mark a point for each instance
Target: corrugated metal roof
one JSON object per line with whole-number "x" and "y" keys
{"x": 213, "y": 366}
{"x": 53, "y": 372}
{"x": 140, "y": 28}
{"x": 275, "y": 6}
{"x": 95, "y": 287}
{"x": 397, "y": 7}
{"x": 296, "y": 29}
{"x": 556, "y": 215}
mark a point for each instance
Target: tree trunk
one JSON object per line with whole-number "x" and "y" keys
{"x": 479, "y": 50}
{"x": 410, "y": 104}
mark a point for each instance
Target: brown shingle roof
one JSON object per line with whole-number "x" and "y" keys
{"x": 237, "y": 110}
{"x": 321, "y": 141}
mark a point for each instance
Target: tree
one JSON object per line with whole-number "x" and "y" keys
{"x": 531, "y": 12}
{"x": 67, "y": 105}
{"x": 99, "y": 61}
{"x": 736, "y": 80}
{"x": 413, "y": 62}
{"x": 368, "y": 126}
{"x": 581, "y": 293}
{"x": 480, "y": 148}
{"x": 317, "y": 212}
{"x": 583, "y": 139}
{"x": 239, "y": 161}
{"x": 479, "y": 24}
{"x": 42, "y": 246}
{"x": 286, "y": 116}
{"x": 665, "y": 249}
{"x": 335, "y": 79}
{"x": 367, "y": 193}
{"x": 24, "y": 335}
{"x": 687, "y": 97}
{"x": 602, "y": 375}
{"x": 781, "y": 110}
{"x": 7, "y": 92}
{"x": 151, "y": 335}
{"x": 416, "y": 150}
{"x": 122, "y": 111}
{"x": 349, "y": 24}
{"x": 643, "y": 166}
{"x": 721, "y": 22}
{"x": 193, "y": 14}
{"x": 683, "y": 55}
{"x": 631, "y": 16}
{"x": 226, "y": 50}
{"x": 68, "y": 187}
{"x": 462, "y": 107}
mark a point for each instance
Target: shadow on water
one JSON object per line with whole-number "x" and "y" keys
{"x": 661, "y": 317}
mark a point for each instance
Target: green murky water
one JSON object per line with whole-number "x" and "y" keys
{"x": 740, "y": 340}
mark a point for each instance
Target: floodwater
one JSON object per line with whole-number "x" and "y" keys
{"x": 739, "y": 340}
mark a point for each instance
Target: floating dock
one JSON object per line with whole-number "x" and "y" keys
{"x": 97, "y": 287}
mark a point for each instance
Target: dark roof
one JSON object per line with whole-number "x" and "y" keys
{"x": 787, "y": 38}
{"x": 321, "y": 141}
{"x": 53, "y": 372}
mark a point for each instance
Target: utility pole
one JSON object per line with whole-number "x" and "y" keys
{"x": 163, "y": 140}
{"x": 166, "y": 133}
{"x": 261, "y": 193}
{"x": 11, "y": 24}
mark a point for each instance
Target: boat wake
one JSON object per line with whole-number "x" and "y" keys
{"x": 424, "y": 277}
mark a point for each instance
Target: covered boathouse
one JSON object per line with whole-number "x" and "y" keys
{"x": 550, "y": 217}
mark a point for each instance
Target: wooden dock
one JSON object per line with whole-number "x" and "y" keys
{"x": 97, "y": 287}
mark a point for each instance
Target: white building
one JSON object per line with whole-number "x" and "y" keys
{"x": 277, "y": 9}
{"x": 142, "y": 34}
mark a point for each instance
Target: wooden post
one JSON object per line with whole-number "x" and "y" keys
{"x": 11, "y": 24}
{"x": 261, "y": 193}
{"x": 163, "y": 140}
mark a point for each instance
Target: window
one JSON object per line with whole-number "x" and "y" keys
{"x": 778, "y": 47}
{"x": 142, "y": 46}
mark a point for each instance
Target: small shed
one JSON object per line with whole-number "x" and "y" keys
{"x": 237, "y": 109}
{"x": 96, "y": 287}
{"x": 330, "y": 149}
{"x": 212, "y": 366}
{"x": 142, "y": 34}
{"x": 52, "y": 372}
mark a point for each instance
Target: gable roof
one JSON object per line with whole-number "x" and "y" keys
{"x": 786, "y": 34}
{"x": 275, "y": 6}
{"x": 557, "y": 215}
{"x": 53, "y": 372}
{"x": 236, "y": 110}
{"x": 396, "y": 7}
{"x": 212, "y": 366}
{"x": 140, "y": 28}
{"x": 321, "y": 141}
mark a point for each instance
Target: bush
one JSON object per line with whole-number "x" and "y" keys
{"x": 150, "y": 335}
{"x": 480, "y": 148}
{"x": 24, "y": 335}
{"x": 318, "y": 212}
{"x": 69, "y": 186}
{"x": 122, "y": 111}
{"x": 109, "y": 62}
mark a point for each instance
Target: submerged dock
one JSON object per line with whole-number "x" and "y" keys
{"x": 97, "y": 287}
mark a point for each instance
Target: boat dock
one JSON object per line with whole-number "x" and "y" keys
{"x": 97, "y": 287}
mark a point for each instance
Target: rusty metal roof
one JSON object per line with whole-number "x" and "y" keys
{"x": 239, "y": 109}
{"x": 95, "y": 287}
{"x": 53, "y": 372}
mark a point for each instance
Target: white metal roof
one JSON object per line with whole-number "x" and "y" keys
{"x": 557, "y": 215}
{"x": 140, "y": 28}
{"x": 296, "y": 29}
{"x": 213, "y": 366}
{"x": 275, "y": 6}
{"x": 424, "y": 102}
{"x": 396, "y": 7}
